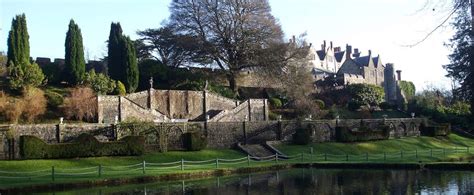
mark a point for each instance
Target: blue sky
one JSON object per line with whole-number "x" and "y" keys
{"x": 382, "y": 26}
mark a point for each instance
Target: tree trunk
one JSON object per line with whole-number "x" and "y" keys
{"x": 471, "y": 59}
{"x": 232, "y": 82}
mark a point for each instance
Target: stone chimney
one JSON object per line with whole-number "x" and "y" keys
{"x": 330, "y": 44}
{"x": 337, "y": 49}
{"x": 348, "y": 51}
{"x": 356, "y": 53}
{"x": 370, "y": 52}
{"x": 399, "y": 75}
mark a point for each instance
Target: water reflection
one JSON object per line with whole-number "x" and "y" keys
{"x": 312, "y": 181}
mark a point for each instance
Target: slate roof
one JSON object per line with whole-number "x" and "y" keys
{"x": 376, "y": 61}
{"x": 362, "y": 61}
{"x": 321, "y": 54}
{"x": 339, "y": 56}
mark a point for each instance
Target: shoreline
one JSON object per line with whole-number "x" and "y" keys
{"x": 202, "y": 174}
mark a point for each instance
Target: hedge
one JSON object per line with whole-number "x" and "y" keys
{"x": 194, "y": 141}
{"x": 85, "y": 145}
{"x": 302, "y": 136}
{"x": 443, "y": 129}
{"x": 345, "y": 134}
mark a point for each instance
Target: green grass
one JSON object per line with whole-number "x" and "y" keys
{"x": 336, "y": 152}
{"x": 411, "y": 147}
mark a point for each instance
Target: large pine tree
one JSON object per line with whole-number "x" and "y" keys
{"x": 130, "y": 63}
{"x": 18, "y": 42}
{"x": 115, "y": 69}
{"x": 75, "y": 65}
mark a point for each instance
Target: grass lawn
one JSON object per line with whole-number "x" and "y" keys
{"x": 414, "y": 149}
{"x": 88, "y": 169}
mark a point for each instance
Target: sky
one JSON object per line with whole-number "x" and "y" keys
{"x": 383, "y": 26}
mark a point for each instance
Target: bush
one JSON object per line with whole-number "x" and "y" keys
{"x": 20, "y": 77}
{"x": 120, "y": 89}
{"x": 54, "y": 100}
{"x": 275, "y": 102}
{"x": 81, "y": 104}
{"x": 366, "y": 94}
{"x": 387, "y": 106}
{"x": 302, "y": 136}
{"x": 34, "y": 104}
{"x": 320, "y": 103}
{"x": 353, "y": 106}
{"x": 345, "y": 134}
{"x": 194, "y": 141}
{"x": 408, "y": 89}
{"x": 99, "y": 82}
{"x": 85, "y": 145}
{"x": 273, "y": 116}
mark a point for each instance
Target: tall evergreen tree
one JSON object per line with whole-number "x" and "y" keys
{"x": 75, "y": 65}
{"x": 22, "y": 73}
{"x": 115, "y": 68}
{"x": 18, "y": 42}
{"x": 129, "y": 61}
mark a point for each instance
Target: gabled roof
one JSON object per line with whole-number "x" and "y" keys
{"x": 321, "y": 54}
{"x": 362, "y": 61}
{"x": 339, "y": 56}
{"x": 377, "y": 61}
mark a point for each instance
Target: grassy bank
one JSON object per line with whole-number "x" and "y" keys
{"x": 425, "y": 149}
{"x": 104, "y": 170}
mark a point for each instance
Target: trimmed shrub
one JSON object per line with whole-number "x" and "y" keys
{"x": 85, "y": 145}
{"x": 345, "y": 134}
{"x": 275, "y": 102}
{"x": 194, "y": 141}
{"x": 320, "y": 103}
{"x": 302, "y": 136}
{"x": 366, "y": 94}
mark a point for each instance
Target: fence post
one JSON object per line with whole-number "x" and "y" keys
{"x": 384, "y": 156}
{"x": 52, "y": 173}
{"x": 456, "y": 149}
{"x": 401, "y": 154}
{"x": 312, "y": 156}
{"x": 431, "y": 152}
{"x": 100, "y": 171}
{"x": 182, "y": 164}
{"x": 302, "y": 157}
{"x": 144, "y": 167}
{"x": 276, "y": 158}
{"x": 367, "y": 156}
{"x": 325, "y": 156}
{"x": 444, "y": 151}
{"x": 416, "y": 153}
{"x": 347, "y": 157}
{"x": 217, "y": 163}
{"x": 248, "y": 160}
{"x": 468, "y": 149}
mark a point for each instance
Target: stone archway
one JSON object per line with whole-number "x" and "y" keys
{"x": 392, "y": 130}
{"x": 402, "y": 130}
{"x": 413, "y": 130}
{"x": 174, "y": 137}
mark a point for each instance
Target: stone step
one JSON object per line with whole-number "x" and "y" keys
{"x": 257, "y": 150}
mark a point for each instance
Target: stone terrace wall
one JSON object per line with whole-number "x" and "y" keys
{"x": 219, "y": 134}
{"x": 108, "y": 107}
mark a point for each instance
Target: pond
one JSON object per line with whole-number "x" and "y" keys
{"x": 309, "y": 181}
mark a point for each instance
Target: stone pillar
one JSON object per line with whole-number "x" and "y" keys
{"x": 245, "y": 131}
{"x": 250, "y": 109}
{"x": 151, "y": 95}
{"x": 265, "y": 109}
{"x": 100, "y": 114}
{"x": 120, "y": 110}
{"x": 59, "y": 129}
{"x": 204, "y": 104}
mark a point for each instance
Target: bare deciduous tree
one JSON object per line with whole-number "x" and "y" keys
{"x": 234, "y": 34}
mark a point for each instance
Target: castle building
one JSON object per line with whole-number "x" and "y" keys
{"x": 350, "y": 67}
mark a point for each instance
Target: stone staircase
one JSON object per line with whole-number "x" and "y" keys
{"x": 260, "y": 150}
